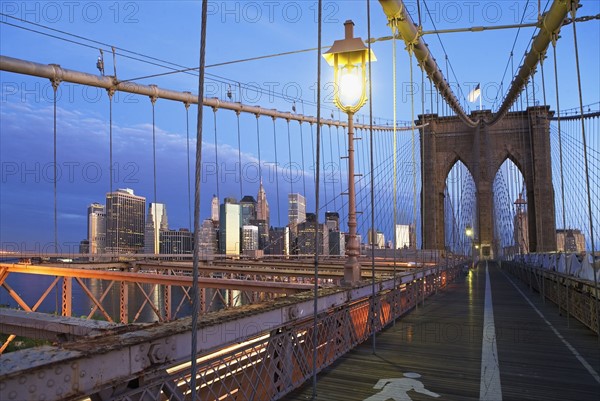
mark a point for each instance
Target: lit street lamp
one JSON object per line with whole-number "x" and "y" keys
{"x": 349, "y": 57}
{"x": 469, "y": 234}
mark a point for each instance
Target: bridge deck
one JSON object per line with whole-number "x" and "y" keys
{"x": 539, "y": 356}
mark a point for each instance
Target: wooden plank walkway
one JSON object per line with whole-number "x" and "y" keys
{"x": 436, "y": 351}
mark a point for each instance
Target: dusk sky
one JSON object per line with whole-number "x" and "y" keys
{"x": 170, "y": 32}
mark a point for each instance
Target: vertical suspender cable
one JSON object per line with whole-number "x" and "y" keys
{"x": 276, "y": 175}
{"x": 414, "y": 156}
{"x": 560, "y": 147}
{"x": 337, "y": 134}
{"x": 303, "y": 166}
{"x": 322, "y": 145}
{"x": 239, "y": 156}
{"x": 187, "y": 125}
{"x": 290, "y": 177}
{"x": 332, "y": 171}
{"x": 195, "y": 303}
{"x": 543, "y": 77}
{"x": 153, "y": 100}
{"x": 315, "y": 337}
{"x": 258, "y": 146}
{"x": 55, "y": 84}
{"x": 373, "y": 304}
{"x": 216, "y": 153}
{"x": 394, "y": 25}
{"x": 585, "y": 159}
{"x": 111, "y": 167}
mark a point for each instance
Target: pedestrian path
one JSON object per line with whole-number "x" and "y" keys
{"x": 485, "y": 337}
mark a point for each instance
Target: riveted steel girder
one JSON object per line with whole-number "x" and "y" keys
{"x": 549, "y": 26}
{"x": 397, "y": 13}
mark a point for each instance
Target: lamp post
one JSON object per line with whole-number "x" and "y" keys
{"x": 469, "y": 234}
{"x": 349, "y": 57}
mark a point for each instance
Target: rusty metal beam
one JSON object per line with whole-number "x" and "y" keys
{"x": 549, "y": 26}
{"x": 45, "y": 326}
{"x": 228, "y": 284}
{"x": 396, "y": 12}
{"x": 101, "y": 362}
{"x": 54, "y": 72}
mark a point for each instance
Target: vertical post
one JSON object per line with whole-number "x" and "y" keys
{"x": 123, "y": 302}
{"x": 168, "y": 303}
{"x": 67, "y": 296}
{"x": 352, "y": 266}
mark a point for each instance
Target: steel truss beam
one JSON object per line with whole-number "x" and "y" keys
{"x": 549, "y": 26}
{"x": 44, "y": 326}
{"x": 148, "y": 358}
{"x": 228, "y": 284}
{"x": 56, "y": 73}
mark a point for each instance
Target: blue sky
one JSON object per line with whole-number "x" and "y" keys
{"x": 236, "y": 30}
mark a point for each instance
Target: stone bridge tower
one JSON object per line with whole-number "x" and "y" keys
{"x": 523, "y": 137}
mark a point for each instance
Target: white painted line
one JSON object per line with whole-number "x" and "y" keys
{"x": 577, "y": 355}
{"x": 489, "y": 385}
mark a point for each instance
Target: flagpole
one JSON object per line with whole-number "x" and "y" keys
{"x": 480, "y": 107}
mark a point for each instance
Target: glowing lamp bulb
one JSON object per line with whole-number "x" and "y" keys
{"x": 350, "y": 86}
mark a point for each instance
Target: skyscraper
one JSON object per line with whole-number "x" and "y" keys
{"x": 207, "y": 242}
{"x": 249, "y": 238}
{"x": 262, "y": 206}
{"x": 214, "y": 209}
{"x": 332, "y": 219}
{"x": 96, "y": 227}
{"x": 376, "y": 238}
{"x": 279, "y": 244}
{"x": 156, "y": 222}
{"x": 125, "y": 221}
{"x": 296, "y": 209}
{"x": 229, "y": 227}
{"x": 176, "y": 242}
{"x": 248, "y": 205}
{"x": 306, "y": 236}
{"x": 337, "y": 243}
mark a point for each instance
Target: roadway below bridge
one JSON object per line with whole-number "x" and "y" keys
{"x": 486, "y": 337}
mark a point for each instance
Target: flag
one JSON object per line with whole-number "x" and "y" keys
{"x": 474, "y": 94}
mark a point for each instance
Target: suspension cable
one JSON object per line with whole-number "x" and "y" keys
{"x": 586, "y": 164}
{"x": 290, "y": 177}
{"x": 302, "y": 155}
{"x": 258, "y": 146}
{"x": 189, "y": 178}
{"x": 394, "y": 26}
{"x": 317, "y": 177}
{"x": 237, "y": 113}
{"x": 374, "y": 314}
{"x": 332, "y": 171}
{"x": 560, "y": 146}
{"x": 55, "y": 84}
{"x": 153, "y": 101}
{"x": 195, "y": 303}
{"x": 217, "y": 178}
{"x": 276, "y": 175}
{"x": 413, "y": 140}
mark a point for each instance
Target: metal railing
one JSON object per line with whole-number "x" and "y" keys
{"x": 258, "y": 352}
{"x": 558, "y": 278}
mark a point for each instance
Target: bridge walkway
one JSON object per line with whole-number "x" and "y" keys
{"x": 456, "y": 348}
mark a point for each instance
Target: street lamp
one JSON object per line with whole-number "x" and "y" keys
{"x": 469, "y": 232}
{"x": 349, "y": 57}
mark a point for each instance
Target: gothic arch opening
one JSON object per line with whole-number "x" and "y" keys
{"x": 511, "y": 222}
{"x": 460, "y": 206}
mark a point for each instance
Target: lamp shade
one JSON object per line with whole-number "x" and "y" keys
{"x": 348, "y": 57}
